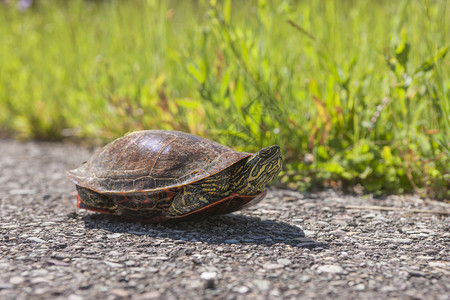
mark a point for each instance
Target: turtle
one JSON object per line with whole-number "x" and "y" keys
{"x": 155, "y": 176}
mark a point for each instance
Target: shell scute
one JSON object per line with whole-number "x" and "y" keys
{"x": 152, "y": 160}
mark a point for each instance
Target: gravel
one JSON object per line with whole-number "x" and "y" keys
{"x": 292, "y": 245}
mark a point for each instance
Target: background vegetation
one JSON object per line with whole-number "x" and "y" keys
{"x": 355, "y": 92}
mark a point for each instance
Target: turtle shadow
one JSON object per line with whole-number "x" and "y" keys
{"x": 226, "y": 229}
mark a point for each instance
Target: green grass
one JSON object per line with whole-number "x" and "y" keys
{"x": 362, "y": 87}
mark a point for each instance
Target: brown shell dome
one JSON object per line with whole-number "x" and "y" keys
{"x": 151, "y": 160}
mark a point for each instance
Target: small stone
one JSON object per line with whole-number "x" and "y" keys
{"x": 388, "y": 288}
{"x": 39, "y": 280}
{"x": 35, "y": 239}
{"x": 439, "y": 264}
{"x": 417, "y": 273}
{"x": 147, "y": 296}
{"x": 114, "y": 235}
{"x": 57, "y": 262}
{"x": 39, "y": 272}
{"x": 113, "y": 264}
{"x": 152, "y": 269}
{"x": 369, "y": 216}
{"x": 333, "y": 269}
{"x": 130, "y": 263}
{"x": 359, "y": 287}
{"x": 305, "y": 278}
{"x": 284, "y": 261}
{"x": 271, "y": 266}
{"x": 40, "y": 291}
{"x": 242, "y": 289}
{"x": 75, "y": 297}
{"x": 419, "y": 235}
{"x": 22, "y": 192}
{"x": 402, "y": 241}
{"x": 208, "y": 275}
{"x": 137, "y": 275}
{"x": 16, "y": 280}
{"x": 119, "y": 292}
{"x": 309, "y": 233}
{"x": 425, "y": 257}
{"x": 5, "y": 286}
{"x": 163, "y": 258}
{"x": 262, "y": 285}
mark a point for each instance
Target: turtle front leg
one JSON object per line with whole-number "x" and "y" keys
{"x": 191, "y": 198}
{"x": 198, "y": 195}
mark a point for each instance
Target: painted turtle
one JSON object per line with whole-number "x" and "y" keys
{"x": 158, "y": 175}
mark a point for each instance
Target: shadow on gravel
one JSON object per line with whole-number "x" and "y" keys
{"x": 227, "y": 229}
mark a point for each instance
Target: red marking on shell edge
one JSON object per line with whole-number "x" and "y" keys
{"x": 125, "y": 198}
{"x": 79, "y": 201}
{"x": 169, "y": 193}
{"x": 81, "y": 205}
{"x": 147, "y": 199}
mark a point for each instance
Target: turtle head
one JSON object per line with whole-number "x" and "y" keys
{"x": 260, "y": 169}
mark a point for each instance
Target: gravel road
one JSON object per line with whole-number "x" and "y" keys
{"x": 291, "y": 245}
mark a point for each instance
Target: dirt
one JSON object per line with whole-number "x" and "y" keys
{"x": 291, "y": 245}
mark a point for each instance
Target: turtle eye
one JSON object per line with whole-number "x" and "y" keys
{"x": 264, "y": 152}
{"x": 268, "y": 151}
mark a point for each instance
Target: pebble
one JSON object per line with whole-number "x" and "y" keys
{"x": 75, "y": 297}
{"x": 439, "y": 264}
{"x": 369, "y": 216}
{"x": 334, "y": 269}
{"x": 262, "y": 285}
{"x": 39, "y": 272}
{"x": 36, "y": 239}
{"x": 5, "y": 286}
{"x": 22, "y": 192}
{"x": 16, "y": 280}
{"x": 120, "y": 292}
{"x": 147, "y": 296}
{"x": 305, "y": 278}
{"x": 272, "y": 266}
{"x": 57, "y": 262}
{"x": 388, "y": 288}
{"x": 242, "y": 289}
{"x": 152, "y": 269}
{"x": 309, "y": 233}
{"x": 284, "y": 261}
{"x": 114, "y": 235}
{"x": 39, "y": 280}
{"x": 417, "y": 273}
{"x": 130, "y": 263}
{"x": 208, "y": 275}
{"x": 163, "y": 258}
{"x": 113, "y": 264}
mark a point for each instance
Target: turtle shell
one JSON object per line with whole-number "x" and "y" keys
{"x": 152, "y": 160}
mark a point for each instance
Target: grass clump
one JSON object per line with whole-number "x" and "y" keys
{"x": 355, "y": 92}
